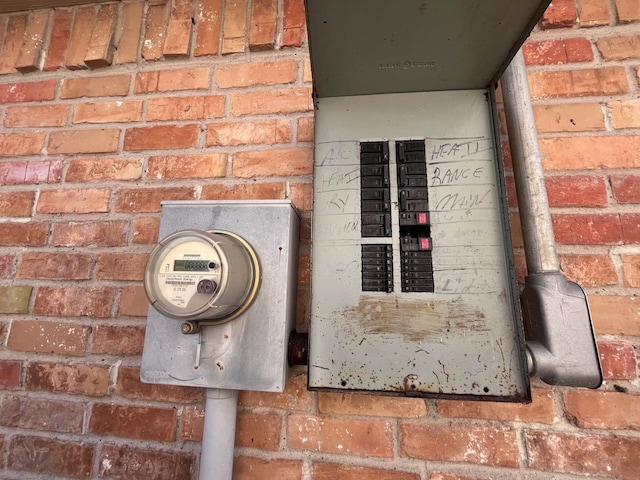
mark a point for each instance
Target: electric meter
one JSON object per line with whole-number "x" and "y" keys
{"x": 202, "y": 277}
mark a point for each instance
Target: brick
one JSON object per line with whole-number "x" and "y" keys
{"x": 173, "y": 80}
{"x": 121, "y": 266}
{"x": 188, "y": 166}
{"x": 626, "y": 189}
{"x": 145, "y": 230}
{"x": 41, "y": 414}
{"x": 274, "y": 101}
{"x": 593, "y": 12}
{"x": 331, "y": 471}
{"x": 295, "y": 397}
{"x": 6, "y": 265}
{"x": 28, "y": 234}
{"x": 133, "y": 301}
{"x": 178, "y": 40}
{"x": 17, "y": 173}
{"x": 258, "y": 431}
{"x": 618, "y": 360}
{"x": 583, "y": 454}
{"x": 148, "y": 199}
{"x": 576, "y": 191}
{"x": 129, "y": 386}
{"x": 81, "y": 234}
{"x": 293, "y": 23}
{"x": 17, "y": 144}
{"x": 72, "y": 266}
{"x": 51, "y": 457}
{"x": 621, "y": 151}
{"x": 371, "y": 438}
{"x": 73, "y": 302}
{"x": 293, "y": 161}
{"x": 628, "y": 10}
{"x": 589, "y": 270}
{"x": 10, "y": 374}
{"x": 544, "y": 53}
{"x": 307, "y": 75}
{"x": 587, "y": 229}
{"x": 192, "y": 424}
{"x": 305, "y": 129}
{"x": 185, "y": 108}
{"x": 103, "y": 169}
{"x": 107, "y": 112}
{"x": 58, "y": 40}
{"x": 130, "y": 31}
{"x": 234, "y": 27}
{"x": 80, "y": 37}
{"x": 154, "y": 32}
{"x": 37, "y": 116}
{"x": 161, "y": 137}
{"x": 30, "y": 58}
{"x": 578, "y": 49}
{"x": 451, "y": 476}
{"x": 578, "y": 83}
{"x": 262, "y": 28}
{"x": 250, "y": 74}
{"x": 106, "y": 86}
{"x": 251, "y": 191}
{"x": 625, "y": 113}
{"x": 615, "y": 314}
{"x": 630, "y": 223}
{"x": 208, "y": 28}
{"x": 460, "y": 443}
{"x": 16, "y": 204}
{"x": 541, "y": 410}
{"x": 14, "y": 299}
{"x": 304, "y": 269}
{"x": 117, "y": 340}
{"x": 301, "y": 195}
{"x": 268, "y": 132}
{"x": 631, "y": 269}
{"x": 101, "y": 46}
{"x": 370, "y": 405}
{"x": 133, "y": 422}
{"x": 74, "y": 201}
{"x": 608, "y": 410}
{"x": 13, "y": 43}
{"x": 48, "y": 337}
{"x": 83, "y": 141}
{"x": 133, "y": 464}
{"x": 576, "y": 117}
{"x": 248, "y": 468}
{"x": 561, "y": 13}
{"x": 619, "y": 48}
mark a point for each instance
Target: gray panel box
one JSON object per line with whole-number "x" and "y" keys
{"x": 249, "y": 352}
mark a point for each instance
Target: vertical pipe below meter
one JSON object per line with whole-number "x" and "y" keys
{"x": 218, "y": 440}
{"x": 537, "y": 228}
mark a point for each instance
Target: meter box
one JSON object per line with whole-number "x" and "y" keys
{"x": 413, "y": 285}
{"x": 221, "y": 283}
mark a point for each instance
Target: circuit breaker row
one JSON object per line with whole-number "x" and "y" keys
{"x": 413, "y": 211}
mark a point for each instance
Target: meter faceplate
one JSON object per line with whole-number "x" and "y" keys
{"x": 200, "y": 275}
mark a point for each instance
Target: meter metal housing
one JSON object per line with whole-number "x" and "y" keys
{"x": 246, "y": 347}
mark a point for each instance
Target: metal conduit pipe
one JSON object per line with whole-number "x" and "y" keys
{"x": 561, "y": 346}
{"x": 218, "y": 438}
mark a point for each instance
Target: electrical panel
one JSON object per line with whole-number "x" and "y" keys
{"x": 413, "y": 289}
{"x": 222, "y": 288}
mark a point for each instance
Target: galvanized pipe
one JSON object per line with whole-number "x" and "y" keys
{"x": 218, "y": 438}
{"x": 535, "y": 217}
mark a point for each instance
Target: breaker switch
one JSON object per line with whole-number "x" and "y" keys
{"x": 375, "y": 196}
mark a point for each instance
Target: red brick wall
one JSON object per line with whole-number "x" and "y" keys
{"x": 107, "y": 110}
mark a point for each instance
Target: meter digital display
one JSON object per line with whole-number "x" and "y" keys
{"x": 193, "y": 265}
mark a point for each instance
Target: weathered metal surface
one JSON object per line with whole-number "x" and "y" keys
{"x": 361, "y": 47}
{"x": 466, "y": 337}
{"x": 249, "y": 352}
